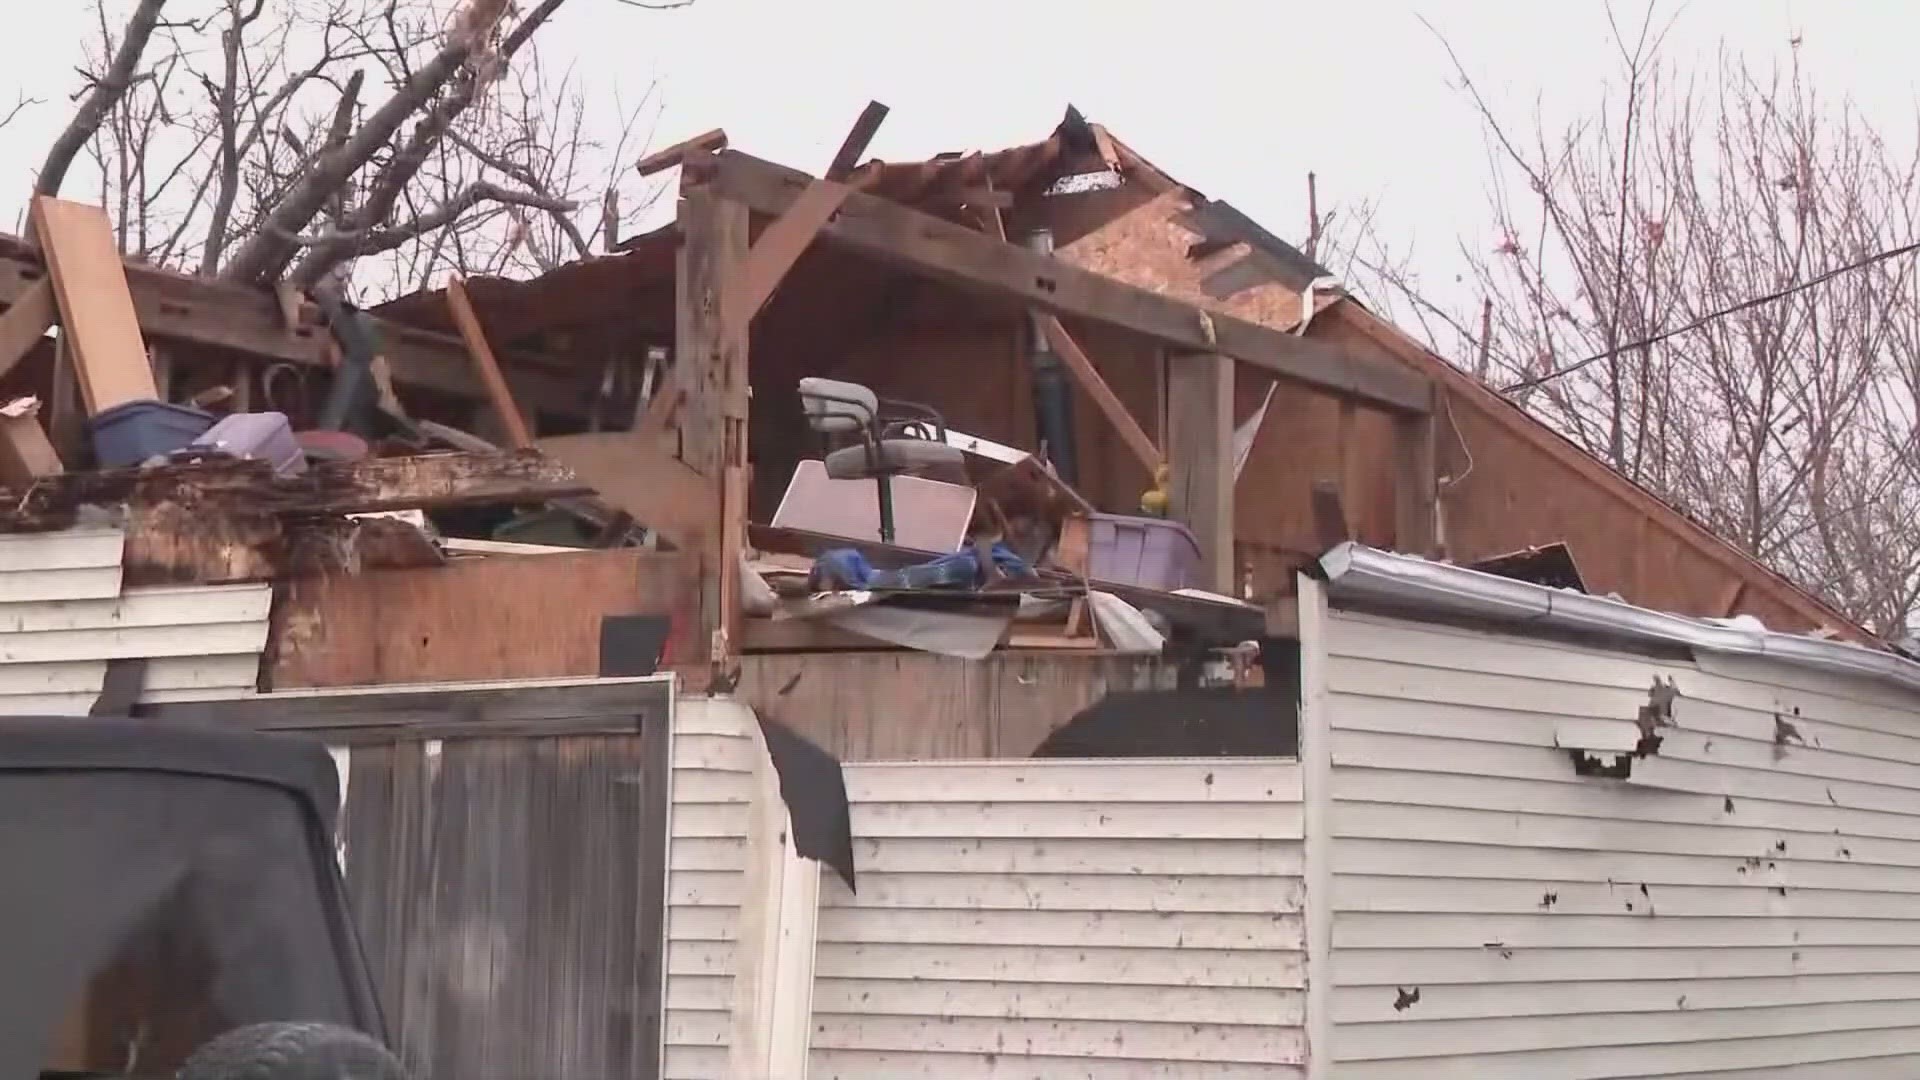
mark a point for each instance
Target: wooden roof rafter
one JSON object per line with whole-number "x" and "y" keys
{"x": 888, "y": 231}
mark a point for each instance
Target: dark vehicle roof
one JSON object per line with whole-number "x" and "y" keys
{"x": 295, "y": 763}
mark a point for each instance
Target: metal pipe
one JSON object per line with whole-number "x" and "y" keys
{"x": 1052, "y": 397}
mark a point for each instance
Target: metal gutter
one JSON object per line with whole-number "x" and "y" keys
{"x": 1358, "y": 573}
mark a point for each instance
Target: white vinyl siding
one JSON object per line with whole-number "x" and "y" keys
{"x": 715, "y": 747}
{"x": 64, "y": 615}
{"x": 76, "y": 564}
{"x": 1100, "y": 920}
{"x": 1743, "y": 905}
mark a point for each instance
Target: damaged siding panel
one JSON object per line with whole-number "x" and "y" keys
{"x": 714, "y": 753}
{"x": 1743, "y": 900}
{"x": 200, "y": 643}
{"x": 1113, "y": 919}
{"x": 77, "y": 564}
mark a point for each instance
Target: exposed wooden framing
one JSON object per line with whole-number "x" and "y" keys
{"x": 109, "y": 355}
{"x": 1111, "y": 406}
{"x": 956, "y": 254}
{"x": 782, "y": 243}
{"x": 212, "y": 315}
{"x": 505, "y": 409}
{"x": 1414, "y": 484}
{"x": 660, "y": 161}
{"x": 710, "y": 372}
{"x": 1200, "y": 453}
{"x": 26, "y": 323}
{"x": 859, "y": 137}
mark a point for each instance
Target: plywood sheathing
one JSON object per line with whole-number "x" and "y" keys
{"x": 484, "y": 619}
{"x": 1530, "y": 485}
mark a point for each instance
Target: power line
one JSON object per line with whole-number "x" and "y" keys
{"x": 1798, "y": 287}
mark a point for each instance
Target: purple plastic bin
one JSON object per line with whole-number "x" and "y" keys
{"x": 1153, "y": 553}
{"x": 263, "y": 435}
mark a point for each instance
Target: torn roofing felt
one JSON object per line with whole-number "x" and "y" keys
{"x": 814, "y": 787}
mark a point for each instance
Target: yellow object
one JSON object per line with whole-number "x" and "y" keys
{"x": 1155, "y": 500}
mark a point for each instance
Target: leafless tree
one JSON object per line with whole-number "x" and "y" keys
{"x": 260, "y": 140}
{"x": 1694, "y": 282}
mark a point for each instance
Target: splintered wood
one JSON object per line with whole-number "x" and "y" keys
{"x": 97, "y": 315}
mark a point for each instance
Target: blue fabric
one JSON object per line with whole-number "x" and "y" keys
{"x": 847, "y": 568}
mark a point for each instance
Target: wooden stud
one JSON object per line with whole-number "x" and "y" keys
{"x": 959, "y": 255}
{"x": 505, "y": 409}
{"x": 66, "y": 418}
{"x": 1200, "y": 452}
{"x": 1103, "y": 396}
{"x": 706, "y": 142}
{"x": 1735, "y": 592}
{"x": 1330, "y": 525}
{"x": 782, "y": 243}
{"x": 97, "y": 315}
{"x": 26, "y": 323}
{"x": 1414, "y": 484}
{"x": 710, "y": 375}
{"x": 857, "y": 140}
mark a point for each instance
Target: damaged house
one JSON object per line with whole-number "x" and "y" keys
{"x": 1006, "y": 614}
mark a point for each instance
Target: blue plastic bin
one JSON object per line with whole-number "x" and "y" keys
{"x": 130, "y": 433}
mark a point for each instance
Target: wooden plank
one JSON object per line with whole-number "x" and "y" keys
{"x": 710, "y": 370}
{"x": 26, "y": 454}
{"x": 781, "y": 243}
{"x": 109, "y": 354}
{"x": 482, "y": 706}
{"x": 505, "y": 409}
{"x": 706, "y": 142}
{"x": 962, "y": 256}
{"x": 26, "y": 322}
{"x": 859, "y": 137}
{"x": 1095, "y": 387}
{"x": 477, "y": 618}
{"x": 1200, "y": 451}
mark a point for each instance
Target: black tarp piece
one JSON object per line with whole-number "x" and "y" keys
{"x": 184, "y": 876}
{"x": 120, "y": 687}
{"x": 814, "y": 788}
{"x": 632, "y": 645}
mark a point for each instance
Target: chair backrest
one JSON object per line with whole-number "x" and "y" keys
{"x": 834, "y": 407}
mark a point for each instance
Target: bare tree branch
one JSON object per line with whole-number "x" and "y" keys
{"x": 106, "y": 93}
{"x": 387, "y": 185}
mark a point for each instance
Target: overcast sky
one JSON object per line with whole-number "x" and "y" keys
{"x": 1239, "y": 98}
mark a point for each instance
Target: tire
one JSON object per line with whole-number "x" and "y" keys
{"x": 292, "y": 1051}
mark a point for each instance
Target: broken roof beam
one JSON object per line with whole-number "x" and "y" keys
{"x": 402, "y": 483}
{"x": 961, "y": 256}
{"x": 660, "y": 161}
{"x": 210, "y": 314}
{"x": 858, "y": 139}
